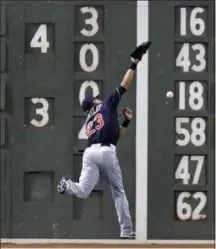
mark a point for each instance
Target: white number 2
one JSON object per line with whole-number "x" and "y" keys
{"x": 90, "y": 21}
{"x": 183, "y": 58}
{"x": 39, "y": 40}
{"x": 43, "y": 112}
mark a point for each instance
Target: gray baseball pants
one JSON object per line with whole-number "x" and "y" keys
{"x": 102, "y": 159}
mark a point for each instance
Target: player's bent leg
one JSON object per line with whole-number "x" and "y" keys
{"x": 88, "y": 179}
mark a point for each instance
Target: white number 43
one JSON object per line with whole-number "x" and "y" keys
{"x": 183, "y": 58}
{"x": 39, "y": 40}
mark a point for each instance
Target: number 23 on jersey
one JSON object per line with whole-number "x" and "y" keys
{"x": 95, "y": 125}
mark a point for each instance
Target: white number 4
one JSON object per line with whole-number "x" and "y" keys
{"x": 39, "y": 40}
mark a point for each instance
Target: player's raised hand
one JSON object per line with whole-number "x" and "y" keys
{"x": 127, "y": 113}
{"x": 139, "y": 51}
{"x": 135, "y": 56}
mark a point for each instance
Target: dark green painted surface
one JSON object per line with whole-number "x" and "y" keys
{"x": 162, "y": 75}
{"x": 39, "y": 156}
{"x": 5, "y": 139}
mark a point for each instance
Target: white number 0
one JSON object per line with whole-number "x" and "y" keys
{"x": 39, "y": 40}
{"x": 95, "y": 57}
{"x": 43, "y": 112}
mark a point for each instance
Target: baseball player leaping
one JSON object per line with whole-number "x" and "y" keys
{"x": 99, "y": 158}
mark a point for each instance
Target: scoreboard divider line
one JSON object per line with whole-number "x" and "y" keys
{"x": 142, "y": 126}
{"x": 214, "y": 117}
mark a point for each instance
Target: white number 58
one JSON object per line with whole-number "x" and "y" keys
{"x": 197, "y": 136}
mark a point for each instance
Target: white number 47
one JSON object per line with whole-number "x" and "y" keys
{"x": 182, "y": 172}
{"x": 39, "y": 40}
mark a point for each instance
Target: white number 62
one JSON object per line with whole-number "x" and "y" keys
{"x": 43, "y": 112}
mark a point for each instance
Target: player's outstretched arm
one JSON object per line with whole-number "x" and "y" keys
{"x": 128, "y": 78}
{"x": 136, "y": 56}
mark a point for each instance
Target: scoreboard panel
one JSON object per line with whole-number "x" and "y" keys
{"x": 181, "y": 173}
{"x": 57, "y": 53}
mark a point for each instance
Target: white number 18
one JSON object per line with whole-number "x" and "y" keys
{"x": 196, "y": 98}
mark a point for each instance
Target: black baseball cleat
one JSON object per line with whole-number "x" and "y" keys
{"x": 130, "y": 236}
{"x": 140, "y": 50}
{"x": 62, "y": 186}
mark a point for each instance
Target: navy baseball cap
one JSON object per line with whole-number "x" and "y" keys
{"x": 87, "y": 103}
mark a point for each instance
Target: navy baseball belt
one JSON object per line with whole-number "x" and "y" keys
{"x": 102, "y": 144}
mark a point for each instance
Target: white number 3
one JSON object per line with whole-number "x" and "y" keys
{"x": 90, "y": 21}
{"x": 43, "y": 112}
{"x": 39, "y": 40}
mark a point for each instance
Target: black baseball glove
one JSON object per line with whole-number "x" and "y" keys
{"x": 140, "y": 50}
